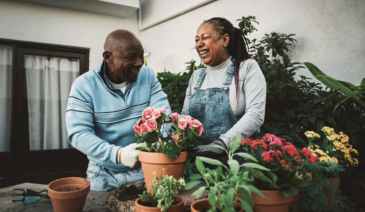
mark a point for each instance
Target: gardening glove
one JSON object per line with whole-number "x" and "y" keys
{"x": 206, "y": 150}
{"x": 128, "y": 155}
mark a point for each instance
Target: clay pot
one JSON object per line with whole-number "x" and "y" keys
{"x": 156, "y": 162}
{"x": 274, "y": 202}
{"x": 329, "y": 195}
{"x": 69, "y": 194}
{"x": 198, "y": 205}
{"x": 174, "y": 208}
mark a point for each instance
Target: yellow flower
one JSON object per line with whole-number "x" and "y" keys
{"x": 323, "y": 159}
{"x": 345, "y": 139}
{"x": 354, "y": 151}
{"x": 327, "y": 130}
{"x": 311, "y": 134}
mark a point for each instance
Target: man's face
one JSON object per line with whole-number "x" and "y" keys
{"x": 127, "y": 60}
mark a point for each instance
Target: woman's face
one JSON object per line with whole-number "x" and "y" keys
{"x": 210, "y": 46}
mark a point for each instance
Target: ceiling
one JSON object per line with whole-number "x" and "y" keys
{"x": 119, "y": 8}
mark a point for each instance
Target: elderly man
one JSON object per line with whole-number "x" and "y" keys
{"x": 103, "y": 106}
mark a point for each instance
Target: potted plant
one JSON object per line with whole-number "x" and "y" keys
{"x": 287, "y": 171}
{"x": 230, "y": 189}
{"x": 162, "y": 197}
{"x": 333, "y": 148}
{"x": 163, "y": 151}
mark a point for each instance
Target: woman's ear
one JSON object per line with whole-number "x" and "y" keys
{"x": 107, "y": 55}
{"x": 226, "y": 39}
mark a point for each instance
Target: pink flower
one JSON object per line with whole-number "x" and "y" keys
{"x": 137, "y": 129}
{"x": 174, "y": 115}
{"x": 275, "y": 141}
{"x": 182, "y": 124}
{"x": 143, "y": 129}
{"x": 146, "y": 113}
{"x": 161, "y": 110}
{"x": 186, "y": 118}
{"x": 200, "y": 130}
{"x": 196, "y": 123}
{"x": 151, "y": 124}
{"x": 174, "y": 138}
{"x": 156, "y": 114}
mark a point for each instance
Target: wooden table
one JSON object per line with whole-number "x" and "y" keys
{"x": 95, "y": 201}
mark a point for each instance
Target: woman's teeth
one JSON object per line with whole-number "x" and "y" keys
{"x": 135, "y": 72}
{"x": 203, "y": 52}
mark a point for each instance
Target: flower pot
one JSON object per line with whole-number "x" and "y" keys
{"x": 329, "y": 195}
{"x": 274, "y": 202}
{"x": 174, "y": 208}
{"x": 69, "y": 194}
{"x": 161, "y": 164}
{"x": 202, "y": 204}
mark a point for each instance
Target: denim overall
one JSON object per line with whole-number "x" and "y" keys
{"x": 212, "y": 108}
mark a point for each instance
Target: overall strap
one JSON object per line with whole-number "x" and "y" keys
{"x": 200, "y": 79}
{"x": 229, "y": 76}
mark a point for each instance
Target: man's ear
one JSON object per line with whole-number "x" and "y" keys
{"x": 226, "y": 39}
{"x": 107, "y": 55}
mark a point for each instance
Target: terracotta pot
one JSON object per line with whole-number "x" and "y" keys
{"x": 156, "y": 162}
{"x": 69, "y": 194}
{"x": 198, "y": 205}
{"x": 274, "y": 202}
{"x": 174, "y": 208}
{"x": 329, "y": 195}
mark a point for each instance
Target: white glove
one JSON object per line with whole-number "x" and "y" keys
{"x": 128, "y": 155}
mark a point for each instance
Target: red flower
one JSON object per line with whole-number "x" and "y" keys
{"x": 306, "y": 152}
{"x": 313, "y": 159}
{"x": 267, "y": 157}
{"x": 246, "y": 141}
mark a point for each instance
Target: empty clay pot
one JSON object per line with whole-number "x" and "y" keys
{"x": 157, "y": 162}
{"x": 174, "y": 208}
{"x": 274, "y": 202}
{"x": 69, "y": 194}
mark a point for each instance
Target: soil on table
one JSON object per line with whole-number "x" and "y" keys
{"x": 206, "y": 209}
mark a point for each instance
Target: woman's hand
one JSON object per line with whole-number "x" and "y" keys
{"x": 207, "y": 150}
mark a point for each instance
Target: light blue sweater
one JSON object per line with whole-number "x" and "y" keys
{"x": 99, "y": 120}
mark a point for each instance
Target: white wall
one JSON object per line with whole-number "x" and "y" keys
{"x": 330, "y": 34}
{"x": 44, "y": 24}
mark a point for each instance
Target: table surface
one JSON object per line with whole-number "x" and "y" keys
{"x": 95, "y": 200}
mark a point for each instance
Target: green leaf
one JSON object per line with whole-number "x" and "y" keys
{"x": 246, "y": 206}
{"x": 331, "y": 120}
{"x": 212, "y": 195}
{"x": 230, "y": 196}
{"x": 196, "y": 177}
{"x": 172, "y": 150}
{"x": 273, "y": 177}
{"x": 235, "y": 144}
{"x": 256, "y": 190}
{"x": 220, "y": 147}
{"x": 211, "y": 161}
{"x": 199, "y": 165}
{"x": 287, "y": 190}
{"x": 192, "y": 184}
{"x": 198, "y": 193}
{"x": 255, "y": 166}
{"x": 246, "y": 194}
{"x": 258, "y": 175}
{"x": 246, "y": 156}
{"x": 234, "y": 166}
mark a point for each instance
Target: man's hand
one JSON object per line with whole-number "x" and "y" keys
{"x": 207, "y": 150}
{"x": 128, "y": 155}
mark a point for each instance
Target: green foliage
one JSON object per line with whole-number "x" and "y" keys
{"x": 357, "y": 93}
{"x": 164, "y": 192}
{"x": 229, "y": 186}
{"x": 175, "y": 85}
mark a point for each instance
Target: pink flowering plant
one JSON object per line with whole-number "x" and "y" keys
{"x": 286, "y": 163}
{"x": 148, "y": 130}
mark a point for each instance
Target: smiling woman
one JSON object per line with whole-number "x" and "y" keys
{"x": 229, "y": 96}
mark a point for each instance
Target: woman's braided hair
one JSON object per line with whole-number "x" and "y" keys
{"x": 236, "y": 46}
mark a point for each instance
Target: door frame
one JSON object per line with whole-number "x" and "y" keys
{"x": 19, "y": 142}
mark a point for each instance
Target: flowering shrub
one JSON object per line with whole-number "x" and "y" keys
{"x": 164, "y": 192}
{"x": 283, "y": 159}
{"x": 334, "y": 147}
{"x": 148, "y": 130}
